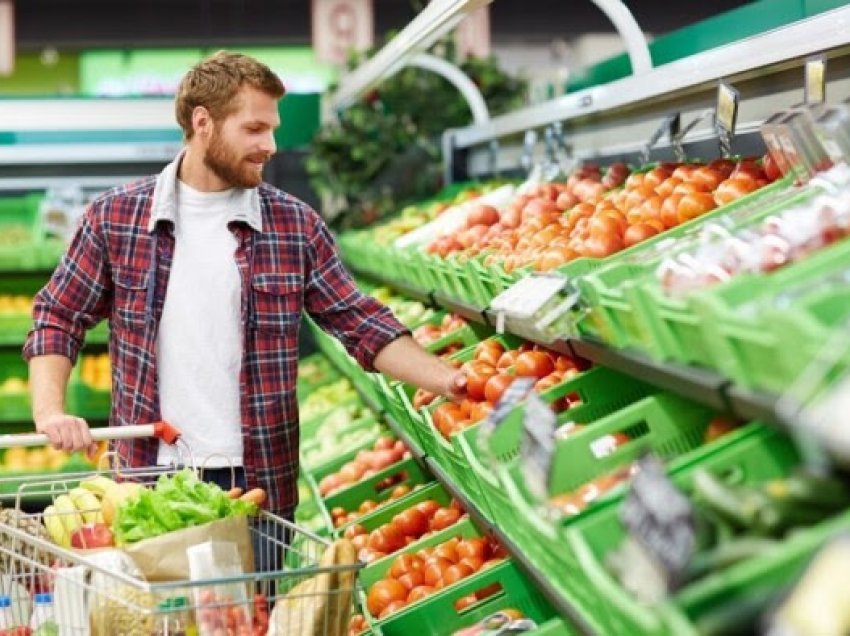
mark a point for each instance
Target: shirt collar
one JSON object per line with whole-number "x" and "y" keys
{"x": 246, "y": 201}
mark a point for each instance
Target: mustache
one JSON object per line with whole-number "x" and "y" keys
{"x": 260, "y": 158}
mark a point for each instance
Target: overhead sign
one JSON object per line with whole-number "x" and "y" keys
{"x": 340, "y": 26}
{"x": 7, "y": 37}
{"x": 473, "y": 34}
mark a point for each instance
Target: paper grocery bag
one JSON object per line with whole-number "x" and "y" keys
{"x": 163, "y": 558}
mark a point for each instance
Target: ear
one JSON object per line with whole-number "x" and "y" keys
{"x": 201, "y": 121}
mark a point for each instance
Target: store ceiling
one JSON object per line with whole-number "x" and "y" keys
{"x": 143, "y": 23}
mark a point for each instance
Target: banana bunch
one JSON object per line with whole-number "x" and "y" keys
{"x": 96, "y": 500}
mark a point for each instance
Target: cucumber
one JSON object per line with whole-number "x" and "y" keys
{"x": 810, "y": 489}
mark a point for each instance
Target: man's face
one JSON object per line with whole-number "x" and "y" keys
{"x": 243, "y": 142}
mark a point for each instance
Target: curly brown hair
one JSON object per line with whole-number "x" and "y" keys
{"x": 215, "y": 82}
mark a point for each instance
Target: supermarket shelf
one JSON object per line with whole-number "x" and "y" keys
{"x": 753, "y": 405}
{"x": 700, "y": 385}
{"x": 464, "y": 309}
{"x": 412, "y": 291}
{"x": 565, "y": 609}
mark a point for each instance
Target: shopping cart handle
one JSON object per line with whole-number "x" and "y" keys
{"x": 159, "y": 430}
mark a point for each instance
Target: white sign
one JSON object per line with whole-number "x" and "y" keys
{"x": 473, "y": 34}
{"x": 7, "y": 37}
{"x": 340, "y": 26}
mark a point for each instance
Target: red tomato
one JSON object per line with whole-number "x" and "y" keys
{"x": 353, "y": 531}
{"x": 477, "y": 373}
{"x": 695, "y": 204}
{"x": 383, "y": 593}
{"x": 496, "y": 386}
{"x": 638, "y": 233}
{"x": 465, "y": 601}
{"x": 455, "y": 573}
{"x": 507, "y": 360}
{"x": 444, "y": 517}
{"x": 392, "y": 607}
{"x": 428, "y": 508}
{"x": 488, "y": 351}
{"x": 434, "y": 569}
{"x": 474, "y": 563}
{"x": 482, "y": 215}
{"x": 447, "y": 551}
{"x": 490, "y": 590}
{"x": 473, "y": 547}
{"x": 669, "y": 215}
{"x": 535, "y": 364}
{"x": 707, "y": 178}
{"x": 412, "y": 579}
{"x": 419, "y": 592}
{"x": 405, "y": 563}
{"x": 411, "y": 522}
{"x": 734, "y": 188}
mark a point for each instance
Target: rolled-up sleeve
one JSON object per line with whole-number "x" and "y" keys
{"x": 362, "y": 324}
{"x": 75, "y": 299}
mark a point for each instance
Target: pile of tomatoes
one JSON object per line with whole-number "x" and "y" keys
{"x": 489, "y": 373}
{"x": 417, "y": 522}
{"x": 554, "y": 223}
{"x": 427, "y": 333}
{"x": 342, "y": 517}
{"x": 386, "y": 452}
{"x": 415, "y": 576}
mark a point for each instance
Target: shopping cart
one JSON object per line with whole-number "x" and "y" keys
{"x": 297, "y": 587}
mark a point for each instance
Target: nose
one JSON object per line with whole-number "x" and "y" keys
{"x": 269, "y": 146}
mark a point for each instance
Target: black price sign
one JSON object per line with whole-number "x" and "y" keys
{"x": 669, "y": 125}
{"x": 815, "y": 89}
{"x": 726, "y": 116}
{"x": 513, "y": 395}
{"x": 660, "y": 521}
{"x": 538, "y": 445}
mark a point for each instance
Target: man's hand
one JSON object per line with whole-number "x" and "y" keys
{"x": 67, "y": 432}
{"x": 455, "y": 385}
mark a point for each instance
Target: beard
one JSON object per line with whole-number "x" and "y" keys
{"x": 223, "y": 161}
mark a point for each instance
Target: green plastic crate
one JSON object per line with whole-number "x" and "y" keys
{"x": 351, "y": 497}
{"x": 23, "y": 251}
{"x": 397, "y": 409}
{"x": 15, "y": 404}
{"x": 348, "y": 451}
{"x": 602, "y": 392}
{"x": 380, "y": 516}
{"x": 436, "y": 614}
{"x": 744, "y": 346}
{"x": 675, "y": 324}
{"x": 765, "y": 455}
{"x": 614, "y": 316}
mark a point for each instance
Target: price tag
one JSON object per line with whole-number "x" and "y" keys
{"x": 530, "y": 306}
{"x": 538, "y": 445}
{"x": 726, "y": 116}
{"x": 670, "y": 125}
{"x": 513, "y": 395}
{"x": 815, "y": 90}
{"x": 660, "y": 522}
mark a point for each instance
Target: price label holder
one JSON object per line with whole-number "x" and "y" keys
{"x": 679, "y": 138}
{"x": 533, "y": 306}
{"x": 661, "y": 532}
{"x": 726, "y": 116}
{"x": 832, "y": 127}
{"x": 513, "y": 395}
{"x": 669, "y": 125}
{"x": 538, "y": 446}
{"x": 815, "y": 89}
{"x": 770, "y": 134}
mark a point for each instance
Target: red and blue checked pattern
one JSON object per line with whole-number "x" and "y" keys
{"x": 290, "y": 266}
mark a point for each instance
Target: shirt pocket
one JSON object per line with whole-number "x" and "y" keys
{"x": 130, "y": 295}
{"x": 277, "y": 302}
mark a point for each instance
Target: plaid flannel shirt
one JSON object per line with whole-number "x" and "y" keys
{"x": 117, "y": 268}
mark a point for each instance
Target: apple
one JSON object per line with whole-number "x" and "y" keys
{"x": 92, "y": 535}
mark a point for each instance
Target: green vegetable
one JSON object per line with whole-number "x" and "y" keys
{"x": 176, "y": 502}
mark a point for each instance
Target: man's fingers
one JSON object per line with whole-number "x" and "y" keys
{"x": 54, "y": 436}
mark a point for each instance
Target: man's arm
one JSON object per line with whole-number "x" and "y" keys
{"x": 74, "y": 300}
{"x": 368, "y": 329}
{"x": 405, "y": 360}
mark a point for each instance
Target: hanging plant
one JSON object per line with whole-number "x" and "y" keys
{"x": 385, "y": 150}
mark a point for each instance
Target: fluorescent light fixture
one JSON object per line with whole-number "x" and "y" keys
{"x": 432, "y": 23}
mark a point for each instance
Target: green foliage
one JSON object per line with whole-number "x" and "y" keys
{"x": 385, "y": 151}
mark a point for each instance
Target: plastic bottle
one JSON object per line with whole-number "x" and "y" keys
{"x": 7, "y": 618}
{"x": 42, "y": 611}
{"x": 172, "y": 621}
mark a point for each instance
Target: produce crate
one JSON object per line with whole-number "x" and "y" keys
{"x": 615, "y": 314}
{"x": 745, "y": 347}
{"x": 324, "y": 373}
{"x": 602, "y": 392}
{"x": 20, "y": 224}
{"x": 397, "y": 409}
{"x": 383, "y": 515}
{"x": 351, "y": 497}
{"x": 436, "y": 614}
{"x": 762, "y": 456}
{"x": 675, "y": 324}
{"x": 15, "y": 404}
{"x": 366, "y": 430}
{"x": 665, "y": 424}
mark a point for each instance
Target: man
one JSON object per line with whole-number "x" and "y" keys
{"x": 202, "y": 272}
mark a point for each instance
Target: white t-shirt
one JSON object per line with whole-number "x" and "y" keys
{"x": 199, "y": 344}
